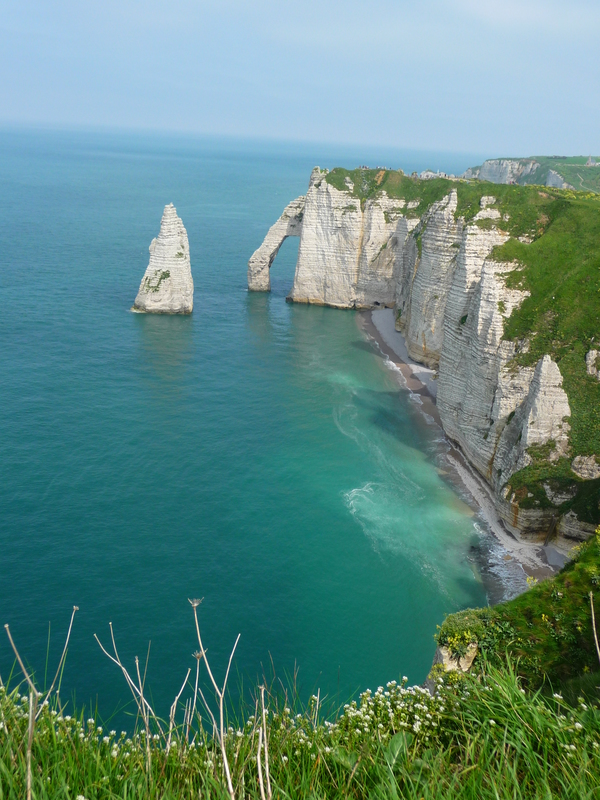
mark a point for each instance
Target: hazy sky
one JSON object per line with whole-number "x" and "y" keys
{"x": 503, "y": 77}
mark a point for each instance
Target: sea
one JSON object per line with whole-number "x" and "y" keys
{"x": 258, "y": 455}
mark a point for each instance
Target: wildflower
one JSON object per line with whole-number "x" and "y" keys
{"x": 284, "y": 759}
{"x": 579, "y": 726}
{"x": 492, "y": 722}
{"x": 114, "y": 752}
{"x": 557, "y": 696}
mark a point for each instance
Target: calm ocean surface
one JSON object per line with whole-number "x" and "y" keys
{"x": 257, "y": 454}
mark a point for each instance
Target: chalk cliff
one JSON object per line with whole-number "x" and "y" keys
{"x": 503, "y": 170}
{"x": 519, "y": 170}
{"x": 288, "y": 224}
{"x": 167, "y": 286}
{"x": 434, "y": 262}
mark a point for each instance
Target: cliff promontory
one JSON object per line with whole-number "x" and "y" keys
{"x": 497, "y": 288}
{"x": 560, "y": 172}
{"x": 167, "y": 286}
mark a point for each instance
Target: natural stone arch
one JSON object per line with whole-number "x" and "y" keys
{"x": 288, "y": 224}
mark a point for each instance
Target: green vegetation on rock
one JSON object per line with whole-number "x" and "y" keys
{"x": 546, "y": 632}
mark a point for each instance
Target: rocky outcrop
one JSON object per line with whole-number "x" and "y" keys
{"x": 167, "y": 286}
{"x": 349, "y": 253}
{"x": 586, "y": 467}
{"x": 592, "y": 362}
{"x": 423, "y": 317}
{"x": 503, "y": 170}
{"x": 556, "y": 181}
{"x": 288, "y": 224}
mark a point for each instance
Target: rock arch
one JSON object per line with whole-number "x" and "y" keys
{"x": 288, "y": 224}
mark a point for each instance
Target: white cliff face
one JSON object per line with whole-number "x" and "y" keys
{"x": 349, "y": 256}
{"x": 557, "y": 181}
{"x": 434, "y": 270}
{"x": 451, "y": 302}
{"x": 503, "y": 170}
{"x": 288, "y": 224}
{"x": 540, "y": 419}
{"x": 167, "y": 286}
{"x": 475, "y": 391}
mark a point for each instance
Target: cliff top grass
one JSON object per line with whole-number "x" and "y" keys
{"x": 479, "y": 738}
{"x": 546, "y": 631}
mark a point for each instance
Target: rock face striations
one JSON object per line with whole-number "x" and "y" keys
{"x": 167, "y": 286}
{"x": 288, "y": 224}
{"x": 433, "y": 261}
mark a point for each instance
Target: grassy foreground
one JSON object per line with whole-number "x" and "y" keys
{"x": 481, "y": 738}
{"x": 524, "y": 723}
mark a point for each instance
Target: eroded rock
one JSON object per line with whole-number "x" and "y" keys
{"x": 167, "y": 286}
{"x": 586, "y": 467}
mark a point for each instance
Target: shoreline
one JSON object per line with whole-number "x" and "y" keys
{"x": 534, "y": 560}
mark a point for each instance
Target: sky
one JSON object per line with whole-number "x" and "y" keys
{"x": 502, "y": 77}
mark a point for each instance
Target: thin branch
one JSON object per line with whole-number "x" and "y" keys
{"x": 63, "y": 656}
{"x": 198, "y": 657}
{"x": 230, "y": 660}
{"x": 174, "y": 711}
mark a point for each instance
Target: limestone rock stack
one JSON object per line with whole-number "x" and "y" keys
{"x": 349, "y": 253}
{"x": 167, "y": 286}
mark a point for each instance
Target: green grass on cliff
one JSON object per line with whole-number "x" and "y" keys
{"x": 479, "y": 738}
{"x": 369, "y": 183}
{"x": 547, "y": 631}
{"x": 572, "y": 169}
{"x": 561, "y": 317}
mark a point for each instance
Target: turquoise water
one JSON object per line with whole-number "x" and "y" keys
{"x": 257, "y": 454}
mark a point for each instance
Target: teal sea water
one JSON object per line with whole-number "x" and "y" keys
{"x": 258, "y": 454}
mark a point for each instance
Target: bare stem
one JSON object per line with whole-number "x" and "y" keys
{"x": 174, "y": 711}
{"x": 24, "y": 671}
{"x": 33, "y": 698}
{"x": 264, "y": 727}
{"x": 594, "y": 626}
{"x": 220, "y": 697}
{"x": 63, "y": 656}
{"x": 259, "y": 765}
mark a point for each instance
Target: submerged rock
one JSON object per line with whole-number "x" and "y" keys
{"x": 167, "y": 286}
